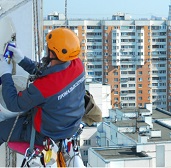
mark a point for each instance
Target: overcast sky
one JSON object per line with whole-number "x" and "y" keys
{"x": 103, "y": 9}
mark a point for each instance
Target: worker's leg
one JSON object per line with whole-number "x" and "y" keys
{"x": 21, "y": 132}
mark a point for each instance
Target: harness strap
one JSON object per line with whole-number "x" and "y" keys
{"x": 32, "y": 140}
{"x": 23, "y": 162}
{"x": 33, "y": 134}
{"x": 42, "y": 160}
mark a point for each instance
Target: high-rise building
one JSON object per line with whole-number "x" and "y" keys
{"x": 132, "y": 56}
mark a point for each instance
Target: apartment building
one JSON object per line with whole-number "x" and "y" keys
{"x": 129, "y": 55}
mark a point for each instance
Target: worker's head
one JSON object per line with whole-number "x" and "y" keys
{"x": 63, "y": 43}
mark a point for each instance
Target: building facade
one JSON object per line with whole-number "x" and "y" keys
{"x": 132, "y": 56}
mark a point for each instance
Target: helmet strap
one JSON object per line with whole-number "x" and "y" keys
{"x": 46, "y": 60}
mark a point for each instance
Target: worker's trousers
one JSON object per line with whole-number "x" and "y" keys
{"x": 21, "y": 132}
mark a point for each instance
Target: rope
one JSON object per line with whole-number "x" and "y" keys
{"x": 38, "y": 33}
{"x": 15, "y": 122}
{"x": 34, "y": 17}
{"x": 7, "y": 163}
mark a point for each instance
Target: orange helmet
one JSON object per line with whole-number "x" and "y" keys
{"x": 64, "y": 42}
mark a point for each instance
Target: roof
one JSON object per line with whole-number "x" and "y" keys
{"x": 119, "y": 152}
{"x": 165, "y": 134}
{"x": 130, "y": 123}
{"x": 130, "y": 110}
{"x": 159, "y": 115}
{"x": 156, "y": 115}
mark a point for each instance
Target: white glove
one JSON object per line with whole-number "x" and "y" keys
{"x": 17, "y": 54}
{"x": 4, "y": 66}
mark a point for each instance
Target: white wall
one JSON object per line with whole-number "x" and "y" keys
{"x": 150, "y": 149}
{"x": 23, "y": 22}
{"x": 102, "y": 96}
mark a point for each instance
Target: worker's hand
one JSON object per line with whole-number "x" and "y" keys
{"x": 17, "y": 54}
{"x": 4, "y": 66}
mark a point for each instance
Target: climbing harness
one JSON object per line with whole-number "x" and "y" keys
{"x": 62, "y": 149}
{"x": 31, "y": 155}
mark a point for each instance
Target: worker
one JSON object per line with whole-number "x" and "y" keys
{"x": 55, "y": 98}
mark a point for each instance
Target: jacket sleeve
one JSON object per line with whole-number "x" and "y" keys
{"x": 22, "y": 101}
{"x": 28, "y": 65}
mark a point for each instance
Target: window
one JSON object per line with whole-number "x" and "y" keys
{"x": 139, "y": 66}
{"x": 115, "y": 105}
{"x": 131, "y": 79}
{"x": 90, "y": 73}
{"x": 140, "y": 92}
{"x": 140, "y": 73}
{"x": 131, "y": 72}
{"x": 107, "y": 142}
{"x": 83, "y": 47}
{"x": 139, "y": 98}
{"x": 105, "y": 80}
{"x": 140, "y": 104}
{"x": 124, "y": 85}
{"x": 105, "y": 27}
{"x": 131, "y": 85}
{"x": 140, "y": 85}
{"x": 105, "y": 73}
{"x": 140, "y": 34}
{"x": 115, "y": 86}
{"x": 85, "y": 152}
{"x": 100, "y": 73}
{"x": 140, "y": 79}
{"x": 106, "y": 67}
{"x": 124, "y": 72}
{"x": 87, "y": 142}
{"x": 131, "y": 104}
{"x": 115, "y": 92}
{"x": 115, "y": 73}
{"x": 140, "y": 47}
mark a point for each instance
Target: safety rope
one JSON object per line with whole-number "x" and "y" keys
{"x": 34, "y": 29}
{"x": 37, "y": 30}
{"x": 38, "y": 33}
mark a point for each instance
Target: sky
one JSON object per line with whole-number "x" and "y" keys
{"x": 104, "y": 9}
